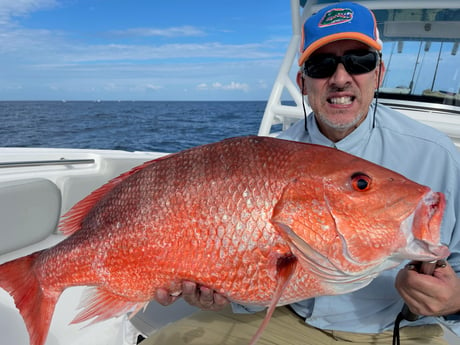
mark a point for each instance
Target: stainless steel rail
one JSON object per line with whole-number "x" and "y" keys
{"x": 45, "y": 163}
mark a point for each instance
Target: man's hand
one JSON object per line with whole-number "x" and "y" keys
{"x": 428, "y": 295}
{"x": 198, "y": 296}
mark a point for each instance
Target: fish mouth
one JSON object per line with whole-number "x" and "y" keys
{"x": 422, "y": 230}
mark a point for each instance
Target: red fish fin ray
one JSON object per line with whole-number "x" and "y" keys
{"x": 286, "y": 266}
{"x": 71, "y": 221}
{"x": 18, "y": 278}
{"x": 99, "y": 304}
{"x": 137, "y": 309}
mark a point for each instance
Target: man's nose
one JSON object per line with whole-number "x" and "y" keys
{"x": 340, "y": 77}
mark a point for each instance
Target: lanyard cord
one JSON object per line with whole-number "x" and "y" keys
{"x": 396, "y": 337}
{"x": 378, "y": 88}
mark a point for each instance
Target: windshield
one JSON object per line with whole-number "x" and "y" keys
{"x": 420, "y": 52}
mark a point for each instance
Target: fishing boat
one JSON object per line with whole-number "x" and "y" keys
{"x": 38, "y": 185}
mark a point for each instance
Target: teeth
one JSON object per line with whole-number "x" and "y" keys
{"x": 341, "y": 100}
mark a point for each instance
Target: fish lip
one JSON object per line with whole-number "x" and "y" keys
{"x": 420, "y": 230}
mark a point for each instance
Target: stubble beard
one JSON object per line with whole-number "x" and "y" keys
{"x": 339, "y": 126}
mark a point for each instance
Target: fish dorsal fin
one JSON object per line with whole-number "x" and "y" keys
{"x": 100, "y": 305}
{"x": 285, "y": 268}
{"x": 72, "y": 220}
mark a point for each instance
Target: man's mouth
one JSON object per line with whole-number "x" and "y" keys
{"x": 345, "y": 100}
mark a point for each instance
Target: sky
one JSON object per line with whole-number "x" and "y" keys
{"x": 141, "y": 49}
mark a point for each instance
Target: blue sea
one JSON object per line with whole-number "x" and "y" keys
{"x": 126, "y": 125}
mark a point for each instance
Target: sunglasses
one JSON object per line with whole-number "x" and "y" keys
{"x": 354, "y": 61}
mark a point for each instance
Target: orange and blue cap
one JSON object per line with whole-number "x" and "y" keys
{"x": 343, "y": 21}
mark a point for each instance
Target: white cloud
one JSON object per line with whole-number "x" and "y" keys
{"x": 179, "y": 31}
{"x": 262, "y": 84}
{"x": 44, "y": 47}
{"x": 114, "y": 52}
{"x": 50, "y": 47}
{"x": 12, "y": 8}
{"x": 219, "y": 86}
{"x": 202, "y": 86}
{"x": 33, "y": 61}
{"x": 153, "y": 87}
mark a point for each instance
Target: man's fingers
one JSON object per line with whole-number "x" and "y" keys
{"x": 206, "y": 297}
{"x": 163, "y": 297}
{"x": 190, "y": 293}
{"x": 198, "y": 296}
{"x": 220, "y": 300}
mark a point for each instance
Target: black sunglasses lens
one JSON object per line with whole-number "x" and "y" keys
{"x": 321, "y": 66}
{"x": 355, "y": 62}
{"x": 360, "y": 62}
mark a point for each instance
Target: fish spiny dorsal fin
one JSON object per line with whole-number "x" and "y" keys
{"x": 100, "y": 305}
{"x": 285, "y": 268}
{"x": 71, "y": 221}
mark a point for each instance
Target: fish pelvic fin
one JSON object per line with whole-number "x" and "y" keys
{"x": 35, "y": 304}
{"x": 285, "y": 268}
{"x": 99, "y": 304}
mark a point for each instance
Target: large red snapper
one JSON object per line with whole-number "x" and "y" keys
{"x": 261, "y": 220}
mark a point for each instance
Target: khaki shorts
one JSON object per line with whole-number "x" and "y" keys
{"x": 285, "y": 328}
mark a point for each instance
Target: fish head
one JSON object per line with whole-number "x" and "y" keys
{"x": 349, "y": 219}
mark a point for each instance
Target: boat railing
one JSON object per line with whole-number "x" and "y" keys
{"x": 40, "y": 163}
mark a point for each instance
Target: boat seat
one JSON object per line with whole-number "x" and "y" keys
{"x": 29, "y": 212}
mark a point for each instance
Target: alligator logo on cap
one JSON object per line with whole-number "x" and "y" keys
{"x": 336, "y": 16}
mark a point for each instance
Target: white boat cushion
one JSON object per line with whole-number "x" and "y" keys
{"x": 29, "y": 212}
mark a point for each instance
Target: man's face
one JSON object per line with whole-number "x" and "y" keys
{"x": 340, "y": 102}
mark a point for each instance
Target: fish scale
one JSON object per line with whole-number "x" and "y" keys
{"x": 262, "y": 221}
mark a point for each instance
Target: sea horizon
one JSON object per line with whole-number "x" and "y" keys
{"x": 166, "y": 126}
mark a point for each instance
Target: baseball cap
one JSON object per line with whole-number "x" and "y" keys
{"x": 345, "y": 20}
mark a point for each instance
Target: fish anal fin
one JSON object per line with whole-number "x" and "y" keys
{"x": 285, "y": 268}
{"x": 100, "y": 305}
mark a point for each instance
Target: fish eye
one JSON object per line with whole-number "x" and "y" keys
{"x": 361, "y": 182}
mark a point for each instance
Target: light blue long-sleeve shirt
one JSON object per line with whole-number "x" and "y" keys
{"x": 423, "y": 155}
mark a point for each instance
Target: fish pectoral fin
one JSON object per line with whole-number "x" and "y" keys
{"x": 100, "y": 305}
{"x": 285, "y": 268}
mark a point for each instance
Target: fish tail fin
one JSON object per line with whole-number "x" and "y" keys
{"x": 285, "y": 269}
{"x": 18, "y": 278}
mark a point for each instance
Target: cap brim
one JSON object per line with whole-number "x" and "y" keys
{"x": 337, "y": 37}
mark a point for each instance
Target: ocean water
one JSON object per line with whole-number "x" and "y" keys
{"x": 126, "y": 125}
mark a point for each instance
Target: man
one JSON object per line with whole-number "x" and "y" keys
{"x": 340, "y": 69}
